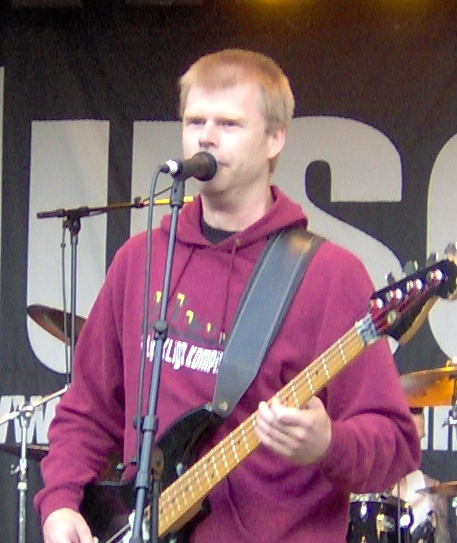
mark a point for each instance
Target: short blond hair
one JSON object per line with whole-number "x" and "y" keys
{"x": 226, "y": 68}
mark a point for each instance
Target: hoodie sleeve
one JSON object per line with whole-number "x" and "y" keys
{"x": 374, "y": 440}
{"x": 93, "y": 407}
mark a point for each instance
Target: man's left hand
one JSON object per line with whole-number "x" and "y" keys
{"x": 300, "y": 435}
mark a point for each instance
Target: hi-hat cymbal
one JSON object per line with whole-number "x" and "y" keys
{"x": 444, "y": 489}
{"x": 34, "y": 452}
{"x": 53, "y": 321}
{"x": 430, "y": 388}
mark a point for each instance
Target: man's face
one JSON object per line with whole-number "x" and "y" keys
{"x": 229, "y": 124}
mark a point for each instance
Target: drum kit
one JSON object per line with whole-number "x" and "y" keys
{"x": 384, "y": 518}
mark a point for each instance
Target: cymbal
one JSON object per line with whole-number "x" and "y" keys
{"x": 430, "y": 388}
{"x": 52, "y": 320}
{"x": 444, "y": 489}
{"x": 34, "y": 452}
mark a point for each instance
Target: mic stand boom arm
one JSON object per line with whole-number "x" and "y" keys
{"x": 72, "y": 221}
{"x": 150, "y": 457}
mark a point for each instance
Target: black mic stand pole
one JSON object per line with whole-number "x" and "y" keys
{"x": 73, "y": 223}
{"x": 151, "y": 459}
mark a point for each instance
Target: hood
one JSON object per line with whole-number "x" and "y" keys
{"x": 284, "y": 212}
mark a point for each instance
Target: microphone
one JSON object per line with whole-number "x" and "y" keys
{"x": 202, "y": 166}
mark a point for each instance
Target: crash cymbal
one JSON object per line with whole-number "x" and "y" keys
{"x": 444, "y": 489}
{"x": 34, "y": 452}
{"x": 52, "y": 320}
{"x": 430, "y": 388}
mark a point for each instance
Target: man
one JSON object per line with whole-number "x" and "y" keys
{"x": 354, "y": 435}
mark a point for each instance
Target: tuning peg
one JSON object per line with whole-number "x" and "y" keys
{"x": 390, "y": 279}
{"x": 432, "y": 259}
{"x": 410, "y": 267}
{"x": 451, "y": 251}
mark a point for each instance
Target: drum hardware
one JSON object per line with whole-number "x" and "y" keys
{"x": 431, "y": 388}
{"x": 25, "y": 412}
{"x": 376, "y": 518}
{"x": 53, "y": 321}
{"x": 34, "y": 452}
{"x": 448, "y": 490}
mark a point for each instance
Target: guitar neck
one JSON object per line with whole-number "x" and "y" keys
{"x": 179, "y": 501}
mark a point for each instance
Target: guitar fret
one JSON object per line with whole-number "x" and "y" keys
{"x": 184, "y": 489}
{"x": 205, "y": 472}
{"x": 310, "y": 382}
{"x": 324, "y": 364}
{"x": 294, "y": 394}
{"x": 216, "y": 471}
{"x": 244, "y": 439}
{"x": 235, "y": 454}
{"x": 200, "y": 484}
{"x": 224, "y": 460}
{"x": 342, "y": 353}
{"x": 191, "y": 490}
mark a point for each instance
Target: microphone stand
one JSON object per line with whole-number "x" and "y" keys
{"x": 25, "y": 412}
{"x": 151, "y": 458}
{"x": 72, "y": 221}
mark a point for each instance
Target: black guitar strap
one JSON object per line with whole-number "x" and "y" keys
{"x": 262, "y": 308}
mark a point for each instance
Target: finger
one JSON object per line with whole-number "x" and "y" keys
{"x": 272, "y": 431}
{"x": 314, "y": 403}
{"x": 84, "y": 533}
{"x": 285, "y": 415}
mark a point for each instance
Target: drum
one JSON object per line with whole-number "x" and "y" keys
{"x": 377, "y": 518}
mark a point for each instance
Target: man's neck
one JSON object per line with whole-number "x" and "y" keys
{"x": 238, "y": 213}
{"x": 214, "y": 235}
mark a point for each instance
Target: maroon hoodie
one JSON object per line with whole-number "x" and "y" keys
{"x": 266, "y": 498}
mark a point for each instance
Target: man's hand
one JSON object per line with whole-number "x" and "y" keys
{"x": 66, "y": 526}
{"x": 300, "y": 435}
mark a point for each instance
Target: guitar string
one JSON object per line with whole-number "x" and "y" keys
{"x": 245, "y": 432}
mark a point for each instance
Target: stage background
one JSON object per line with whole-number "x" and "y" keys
{"x": 88, "y": 109}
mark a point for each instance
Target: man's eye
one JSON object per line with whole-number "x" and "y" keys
{"x": 195, "y": 122}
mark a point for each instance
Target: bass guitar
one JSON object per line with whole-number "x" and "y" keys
{"x": 396, "y": 311}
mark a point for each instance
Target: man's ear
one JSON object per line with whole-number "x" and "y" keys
{"x": 277, "y": 139}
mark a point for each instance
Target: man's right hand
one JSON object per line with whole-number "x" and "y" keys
{"x": 66, "y": 526}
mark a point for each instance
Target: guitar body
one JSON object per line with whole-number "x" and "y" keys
{"x": 106, "y": 506}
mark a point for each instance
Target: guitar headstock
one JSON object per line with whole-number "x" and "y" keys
{"x": 400, "y": 308}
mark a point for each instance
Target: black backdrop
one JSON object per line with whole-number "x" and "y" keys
{"x": 391, "y": 66}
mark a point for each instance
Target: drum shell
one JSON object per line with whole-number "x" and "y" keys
{"x": 375, "y": 518}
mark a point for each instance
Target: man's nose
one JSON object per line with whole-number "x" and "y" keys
{"x": 208, "y": 135}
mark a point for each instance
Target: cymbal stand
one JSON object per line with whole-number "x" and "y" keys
{"x": 25, "y": 413}
{"x": 452, "y": 416}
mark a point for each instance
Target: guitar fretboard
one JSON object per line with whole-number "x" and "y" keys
{"x": 178, "y": 501}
